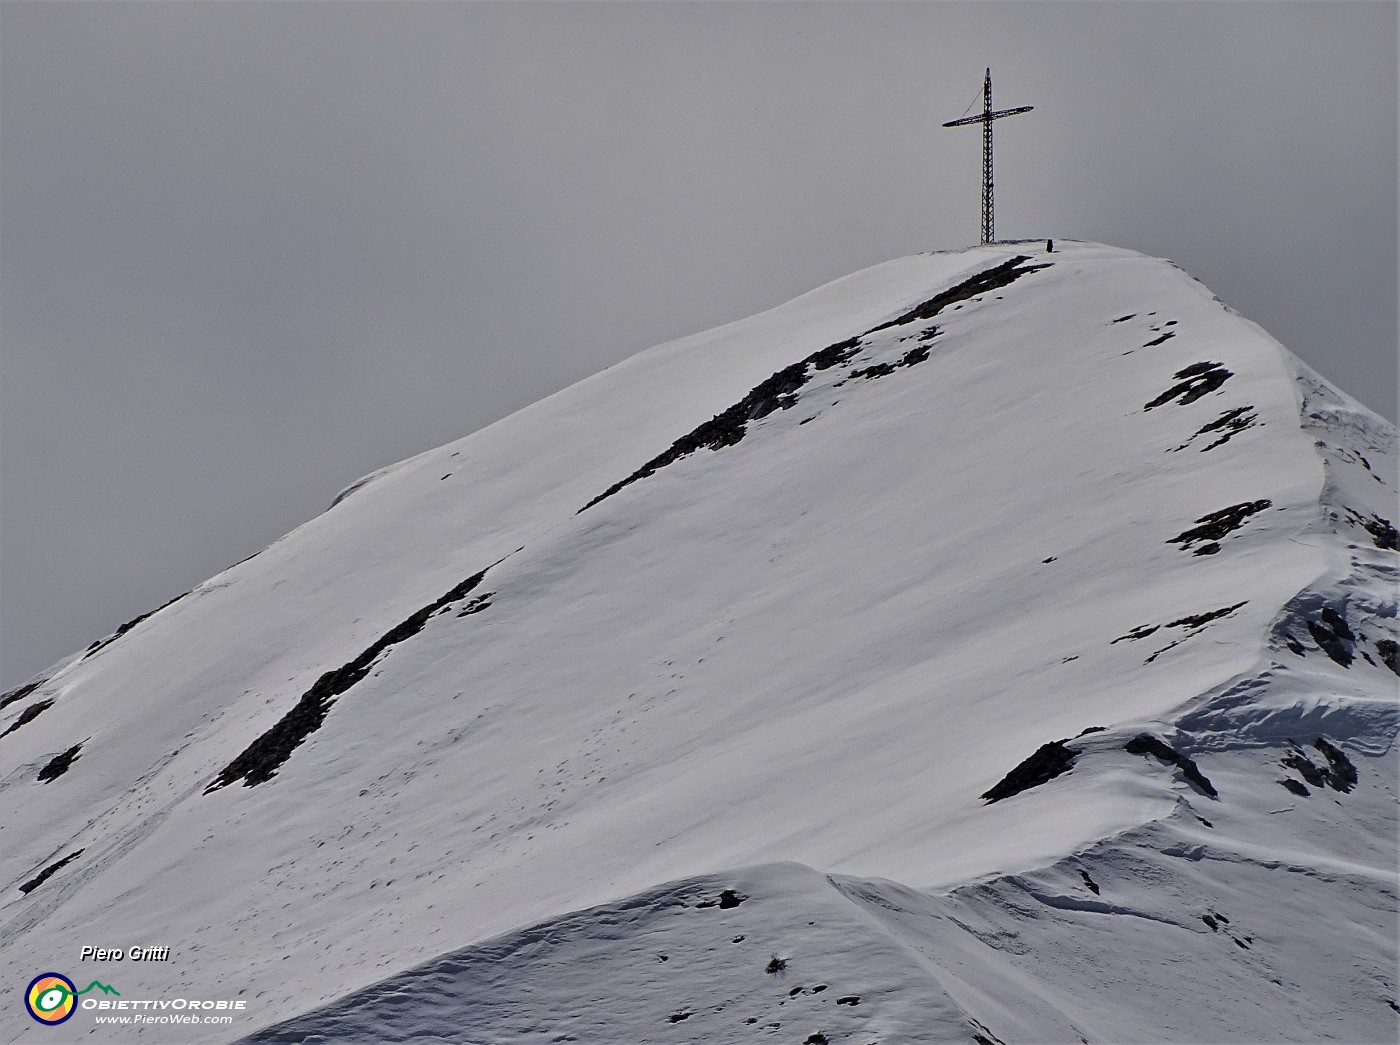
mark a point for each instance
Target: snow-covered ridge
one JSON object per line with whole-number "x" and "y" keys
{"x": 841, "y": 569}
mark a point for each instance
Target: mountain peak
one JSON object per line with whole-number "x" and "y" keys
{"x": 965, "y": 616}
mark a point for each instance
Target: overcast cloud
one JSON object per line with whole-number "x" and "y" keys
{"x": 251, "y": 251}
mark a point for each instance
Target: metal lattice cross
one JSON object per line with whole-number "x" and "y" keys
{"x": 985, "y": 118}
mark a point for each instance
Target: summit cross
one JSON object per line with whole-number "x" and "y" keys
{"x": 985, "y": 118}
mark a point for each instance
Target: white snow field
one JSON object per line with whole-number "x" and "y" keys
{"x": 457, "y": 761}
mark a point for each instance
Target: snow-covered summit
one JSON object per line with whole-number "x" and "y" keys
{"x": 1003, "y": 639}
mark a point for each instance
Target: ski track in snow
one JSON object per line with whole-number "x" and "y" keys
{"x": 777, "y": 669}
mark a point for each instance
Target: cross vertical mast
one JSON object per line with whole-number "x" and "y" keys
{"x": 988, "y": 221}
{"x": 985, "y": 118}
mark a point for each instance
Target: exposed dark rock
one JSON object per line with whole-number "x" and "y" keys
{"x": 1169, "y": 646}
{"x": 1305, "y": 768}
{"x": 1214, "y": 925}
{"x": 779, "y": 391}
{"x": 727, "y": 899}
{"x": 1207, "y": 549}
{"x": 727, "y": 428}
{"x": 677, "y": 1017}
{"x": 476, "y": 605}
{"x": 1146, "y": 744}
{"x": 20, "y": 692}
{"x": 1216, "y": 525}
{"x": 1390, "y": 654}
{"x": 1159, "y": 340}
{"x": 981, "y": 1035}
{"x": 1194, "y": 381}
{"x": 1333, "y": 636}
{"x": 1140, "y": 632}
{"x": 1337, "y": 623}
{"x": 1048, "y": 762}
{"x": 775, "y": 964}
{"x": 874, "y": 370}
{"x": 1093, "y": 885}
{"x": 58, "y": 765}
{"x": 994, "y": 278}
{"x": 850, "y": 999}
{"x": 240, "y": 562}
{"x": 44, "y": 875}
{"x": 1235, "y": 427}
{"x": 1341, "y": 774}
{"x": 816, "y": 1039}
{"x": 914, "y": 355}
{"x": 1231, "y": 423}
{"x": 1092, "y": 729}
{"x": 1295, "y": 786}
{"x": 102, "y": 643}
{"x": 832, "y": 355}
{"x": 1189, "y": 623}
{"x": 1201, "y": 619}
{"x": 1383, "y": 534}
{"x": 262, "y": 758}
{"x": 1330, "y": 644}
{"x": 1124, "y": 319}
{"x": 28, "y": 715}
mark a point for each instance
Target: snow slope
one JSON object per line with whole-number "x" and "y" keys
{"x": 470, "y": 756}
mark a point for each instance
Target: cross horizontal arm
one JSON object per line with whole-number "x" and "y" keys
{"x": 987, "y": 117}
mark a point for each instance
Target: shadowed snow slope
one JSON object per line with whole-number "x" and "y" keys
{"x": 999, "y": 646}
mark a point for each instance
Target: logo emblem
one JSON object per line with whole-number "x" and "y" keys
{"x": 51, "y": 998}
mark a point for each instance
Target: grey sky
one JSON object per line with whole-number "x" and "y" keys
{"x": 251, "y": 251}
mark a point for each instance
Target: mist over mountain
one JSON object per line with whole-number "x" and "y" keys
{"x": 995, "y": 646}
